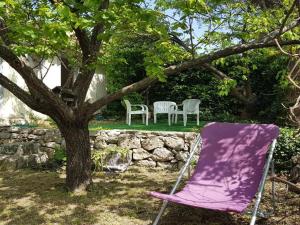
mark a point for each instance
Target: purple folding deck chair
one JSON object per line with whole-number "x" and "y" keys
{"x": 232, "y": 167}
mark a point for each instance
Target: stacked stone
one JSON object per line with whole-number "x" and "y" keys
{"x": 148, "y": 149}
{"x": 28, "y": 147}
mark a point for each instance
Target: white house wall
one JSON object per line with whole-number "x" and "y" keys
{"x": 98, "y": 86}
{"x": 11, "y": 108}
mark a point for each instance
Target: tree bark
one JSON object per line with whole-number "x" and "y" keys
{"x": 78, "y": 152}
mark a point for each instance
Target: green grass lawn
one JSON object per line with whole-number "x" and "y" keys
{"x": 161, "y": 125}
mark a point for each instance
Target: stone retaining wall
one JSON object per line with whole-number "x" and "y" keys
{"x": 27, "y": 147}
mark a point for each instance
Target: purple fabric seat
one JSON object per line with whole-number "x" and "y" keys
{"x": 229, "y": 169}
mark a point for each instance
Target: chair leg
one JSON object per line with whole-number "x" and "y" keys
{"x": 262, "y": 183}
{"x": 143, "y": 118}
{"x": 169, "y": 119}
{"x": 127, "y": 122}
{"x": 154, "y": 116}
{"x": 184, "y": 119}
{"x": 176, "y": 118}
{"x": 273, "y": 185}
{"x": 129, "y": 119}
{"x": 198, "y": 119}
{"x": 147, "y": 119}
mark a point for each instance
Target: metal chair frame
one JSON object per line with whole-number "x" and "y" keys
{"x": 255, "y": 212}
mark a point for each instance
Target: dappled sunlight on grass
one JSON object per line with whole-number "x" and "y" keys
{"x": 31, "y": 197}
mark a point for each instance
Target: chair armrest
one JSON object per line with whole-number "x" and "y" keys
{"x": 144, "y": 107}
{"x": 173, "y": 108}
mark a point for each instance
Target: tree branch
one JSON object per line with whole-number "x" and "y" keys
{"x": 98, "y": 28}
{"x": 90, "y": 109}
{"x": 86, "y": 75}
{"x": 18, "y": 92}
{"x": 290, "y": 184}
{"x": 84, "y": 43}
{"x": 274, "y": 34}
{"x": 287, "y": 16}
{"x": 36, "y": 87}
{"x": 233, "y": 50}
{"x": 178, "y": 41}
{"x": 3, "y": 32}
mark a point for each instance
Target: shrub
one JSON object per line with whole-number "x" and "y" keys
{"x": 100, "y": 157}
{"x": 288, "y": 145}
{"x": 60, "y": 156}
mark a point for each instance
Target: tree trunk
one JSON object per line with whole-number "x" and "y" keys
{"x": 78, "y": 156}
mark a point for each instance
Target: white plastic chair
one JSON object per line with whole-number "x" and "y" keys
{"x": 144, "y": 112}
{"x": 164, "y": 107}
{"x": 189, "y": 107}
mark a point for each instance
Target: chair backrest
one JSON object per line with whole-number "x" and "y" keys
{"x": 191, "y": 105}
{"x": 162, "y": 106}
{"x": 233, "y": 157}
{"x": 128, "y": 105}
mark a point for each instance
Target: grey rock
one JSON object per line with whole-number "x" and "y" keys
{"x": 152, "y": 143}
{"x": 182, "y": 156}
{"x": 15, "y": 136}
{"x": 130, "y": 142}
{"x": 27, "y": 148}
{"x": 162, "y": 155}
{"x": 4, "y": 135}
{"x": 180, "y": 134}
{"x": 101, "y": 136}
{"x": 49, "y": 151}
{"x": 190, "y": 136}
{"x": 174, "y": 143}
{"x": 39, "y": 132}
{"x": 33, "y": 137}
{"x": 9, "y": 149}
{"x": 52, "y": 136}
{"x": 140, "y": 154}
{"x": 25, "y": 131}
{"x": 93, "y": 134}
{"x": 186, "y": 147}
{"x": 100, "y": 145}
{"x": 13, "y": 129}
{"x": 52, "y": 145}
{"x": 38, "y": 160}
{"x": 111, "y": 137}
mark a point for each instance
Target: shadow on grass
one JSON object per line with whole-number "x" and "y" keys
{"x": 30, "y": 197}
